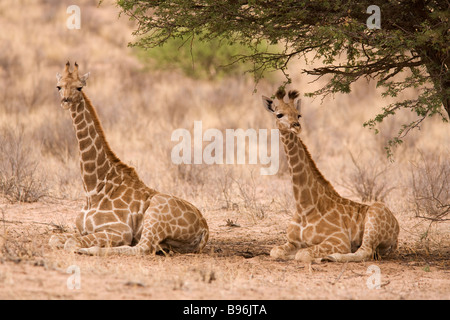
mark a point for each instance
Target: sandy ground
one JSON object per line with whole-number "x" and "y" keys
{"x": 234, "y": 265}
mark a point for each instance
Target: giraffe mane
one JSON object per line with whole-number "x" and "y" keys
{"x": 316, "y": 171}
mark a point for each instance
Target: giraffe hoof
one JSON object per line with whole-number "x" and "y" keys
{"x": 92, "y": 251}
{"x": 71, "y": 245}
{"x": 278, "y": 253}
{"x": 303, "y": 256}
{"x": 83, "y": 251}
{"x": 329, "y": 259}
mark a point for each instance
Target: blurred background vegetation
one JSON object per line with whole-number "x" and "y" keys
{"x": 212, "y": 60}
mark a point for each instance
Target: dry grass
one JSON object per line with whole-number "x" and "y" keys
{"x": 431, "y": 187}
{"x": 139, "y": 110}
{"x": 367, "y": 180}
{"x": 20, "y": 180}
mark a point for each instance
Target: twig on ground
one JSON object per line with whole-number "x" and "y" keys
{"x": 344, "y": 267}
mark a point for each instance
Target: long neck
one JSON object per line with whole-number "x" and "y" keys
{"x": 96, "y": 156}
{"x": 310, "y": 187}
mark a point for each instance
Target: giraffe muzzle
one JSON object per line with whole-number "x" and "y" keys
{"x": 296, "y": 127}
{"x": 65, "y": 103}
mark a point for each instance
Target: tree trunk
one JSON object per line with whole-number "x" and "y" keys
{"x": 437, "y": 66}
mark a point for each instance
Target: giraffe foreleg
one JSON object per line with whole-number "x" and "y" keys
{"x": 145, "y": 246}
{"x": 115, "y": 236}
{"x": 369, "y": 250}
{"x": 121, "y": 250}
{"x": 362, "y": 254}
{"x": 285, "y": 251}
{"x": 58, "y": 241}
{"x": 335, "y": 244}
{"x": 293, "y": 244}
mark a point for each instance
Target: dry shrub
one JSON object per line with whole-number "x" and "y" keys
{"x": 245, "y": 195}
{"x": 19, "y": 247}
{"x": 431, "y": 186}
{"x": 225, "y": 182}
{"x": 19, "y": 178}
{"x": 366, "y": 180}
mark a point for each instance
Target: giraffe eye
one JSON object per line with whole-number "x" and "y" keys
{"x": 58, "y": 87}
{"x": 79, "y": 88}
{"x": 280, "y": 115}
{"x": 299, "y": 116}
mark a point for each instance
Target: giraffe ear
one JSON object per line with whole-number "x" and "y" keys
{"x": 298, "y": 105}
{"x": 58, "y": 76}
{"x": 84, "y": 77}
{"x": 268, "y": 104}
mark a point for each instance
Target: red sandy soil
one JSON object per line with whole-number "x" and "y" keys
{"x": 234, "y": 265}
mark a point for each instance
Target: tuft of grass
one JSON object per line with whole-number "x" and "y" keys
{"x": 430, "y": 178}
{"x": 250, "y": 203}
{"x": 17, "y": 246}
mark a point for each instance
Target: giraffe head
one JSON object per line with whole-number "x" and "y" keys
{"x": 69, "y": 86}
{"x": 287, "y": 113}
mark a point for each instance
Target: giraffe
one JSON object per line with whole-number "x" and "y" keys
{"x": 122, "y": 215}
{"x": 325, "y": 226}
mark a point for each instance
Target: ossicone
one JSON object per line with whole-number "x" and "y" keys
{"x": 293, "y": 94}
{"x": 67, "y": 67}
{"x": 280, "y": 93}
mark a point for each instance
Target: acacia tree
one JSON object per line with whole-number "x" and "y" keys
{"x": 412, "y": 38}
